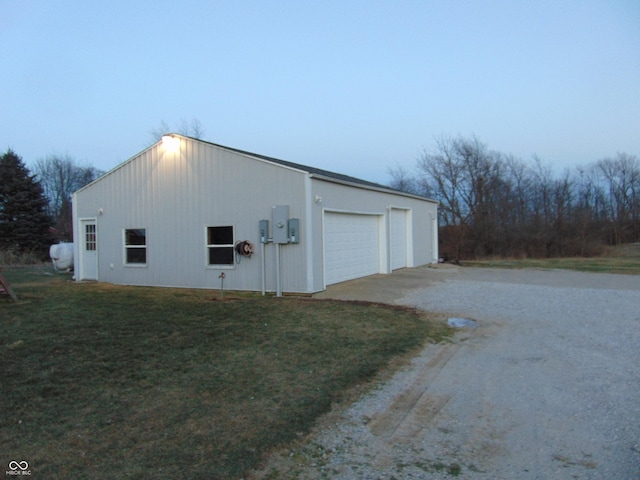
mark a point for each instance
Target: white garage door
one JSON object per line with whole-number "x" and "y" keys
{"x": 398, "y": 239}
{"x": 351, "y": 246}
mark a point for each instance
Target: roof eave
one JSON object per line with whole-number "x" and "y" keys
{"x": 372, "y": 188}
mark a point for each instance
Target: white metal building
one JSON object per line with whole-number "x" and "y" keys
{"x": 174, "y": 215}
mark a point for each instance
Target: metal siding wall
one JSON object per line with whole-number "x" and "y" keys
{"x": 174, "y": 197}
{"x": 346, "y": 198}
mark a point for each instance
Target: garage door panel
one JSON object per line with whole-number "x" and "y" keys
{"x": 351, "y": 246}
{"x": 398, "y": 239}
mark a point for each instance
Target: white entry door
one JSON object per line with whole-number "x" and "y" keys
{"x": 351, "y": 246}
{"x": 88, "y": 250}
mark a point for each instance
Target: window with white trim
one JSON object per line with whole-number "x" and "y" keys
{"x": 135, "y": 246}
{"x": 90, "y": 237}
{"x": 220, "y": 245}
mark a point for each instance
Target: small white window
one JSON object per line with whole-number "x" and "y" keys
{"x": 90, "y": 237}
{"x": 220, "y": 245}
{"x": 135, "y": 246}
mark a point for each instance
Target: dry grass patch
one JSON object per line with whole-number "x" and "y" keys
{"x": 102, "y": 381}
{"x": 623, "y": 259}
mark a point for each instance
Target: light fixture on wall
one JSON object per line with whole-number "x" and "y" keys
{"x": 318, "y": 199}
{"x": 170, "y": 143}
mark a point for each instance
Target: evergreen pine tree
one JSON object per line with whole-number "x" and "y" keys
{"x": 24, "y": 223}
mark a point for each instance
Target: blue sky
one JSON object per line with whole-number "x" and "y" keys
{"x": 350, "y": 86}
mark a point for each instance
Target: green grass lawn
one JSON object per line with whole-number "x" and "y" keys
{"x": 103, "y": 381}
{"x": 622, "y": 259}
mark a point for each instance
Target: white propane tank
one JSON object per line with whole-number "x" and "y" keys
{"x": 62, "y": 256}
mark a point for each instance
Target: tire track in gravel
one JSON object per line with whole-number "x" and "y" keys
{"x": 545, "y": 388}
{"x": 414, "y": 406}
{"x": 411, "y": 411}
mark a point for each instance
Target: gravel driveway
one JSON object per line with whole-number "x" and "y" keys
{"x": 547, "y": 387}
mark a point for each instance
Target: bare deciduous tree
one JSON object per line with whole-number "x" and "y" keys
{"x": 192, "y": 129}
{"x": 492, "y": 204}
{"x": 60, "y": 176}
{"x": 402, "y": 180}
{"x": 156, "y": 133}
{"x": 621, "y": 175}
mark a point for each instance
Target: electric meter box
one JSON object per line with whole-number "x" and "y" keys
{"x": 264, "y": 231}
{"x": 280, "y": 218}
{"x": 294, "y": 230}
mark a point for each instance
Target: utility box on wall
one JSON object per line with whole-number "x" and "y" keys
{"x": 264, "y": 231}
{"x": 293, "y": 226}
{"x": 280, "y": 219}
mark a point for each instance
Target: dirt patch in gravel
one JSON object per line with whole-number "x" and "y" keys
{"x": 388, "y": 288}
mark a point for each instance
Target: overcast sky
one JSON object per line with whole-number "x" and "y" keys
{"x": 350, "y": 86}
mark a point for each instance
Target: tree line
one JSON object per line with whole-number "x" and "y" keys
{"x": 35, "y": 207}
{"x": 492, "y": 204}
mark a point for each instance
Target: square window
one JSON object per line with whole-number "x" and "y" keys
{"x": 136, "y": 255}
{"x": 136, "y": 236}
{"x": 220, "y": 235}
{"x": 220, "y": 255}
{"x": 220, "y": 245}
{"x": 135, "y": 246}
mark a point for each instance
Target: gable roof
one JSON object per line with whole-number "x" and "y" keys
{"x": 312, "y": 171}
{"x": 317, "y": 172}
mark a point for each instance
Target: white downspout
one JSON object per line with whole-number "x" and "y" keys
{"x": 75, "y": 227}
{"x": 308, "y": 238}
{"x": 434, "y": 227}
